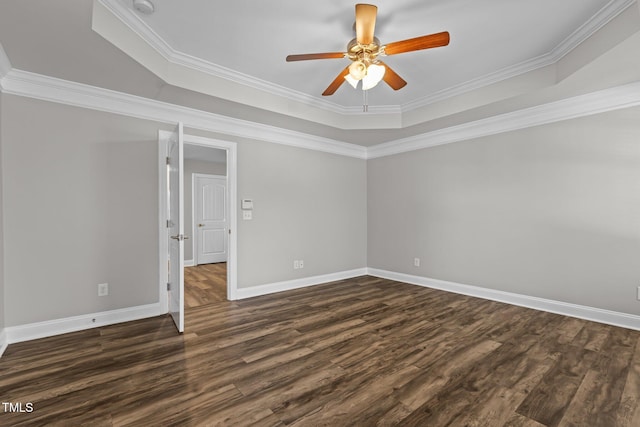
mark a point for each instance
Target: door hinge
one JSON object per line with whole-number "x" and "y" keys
{"x": 168, "y": 161}
{"x": 168, "y": 286}
{"x": 168, "y": 224}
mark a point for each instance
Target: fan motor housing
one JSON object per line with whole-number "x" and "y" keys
{"x": 357, "y": 51}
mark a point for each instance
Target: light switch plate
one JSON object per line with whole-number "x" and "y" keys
{"x": 103, "y": 289}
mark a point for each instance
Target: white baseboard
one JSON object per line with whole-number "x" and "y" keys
{"x": 608, "y": 317}
{"x": 3, "y": 341}
{"x": 50, "y": 328}
{"x": 304, "y": 282}
{"x": 14, "y": 334}
{"x": 189, "y": 263}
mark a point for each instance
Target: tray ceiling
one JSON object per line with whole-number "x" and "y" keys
{"x": 247, "y": 41}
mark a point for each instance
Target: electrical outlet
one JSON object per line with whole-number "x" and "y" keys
{"x": 301, "y": 263}
{"x": 103, "y": 289}
{"x": 416, "y": 262}
{"x": 296, "y": 264}
{"x": 247, "y": 215}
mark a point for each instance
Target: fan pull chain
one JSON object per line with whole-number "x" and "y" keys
{"x": 365, "y": 101}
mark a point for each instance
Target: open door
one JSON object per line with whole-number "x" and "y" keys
{"x": 175, "y": 225}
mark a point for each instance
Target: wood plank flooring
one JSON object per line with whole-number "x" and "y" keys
{"x": 205, "y": 284}
{"x": 359, "y": 352}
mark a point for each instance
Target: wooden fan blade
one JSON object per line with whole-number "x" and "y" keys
{"x": 307, "y": 56}
{"x": 336, "y": 83}
{"x": 392, "y": 78}
{"x": 365, "y": 23}
{"x": 418, "y": 43}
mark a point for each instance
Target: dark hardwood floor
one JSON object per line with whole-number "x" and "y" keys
{"x": 205, "y": 284}
{"x": 359, "y": 352}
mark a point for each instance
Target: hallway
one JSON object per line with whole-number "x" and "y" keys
{"x": 205, "y": 284}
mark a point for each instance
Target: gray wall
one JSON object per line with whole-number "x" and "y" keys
{"x": 551, "y": 211}
{"x": 307, "y": 205}
{"x": 80, "y": 208}
{"x": 191, "y": 167}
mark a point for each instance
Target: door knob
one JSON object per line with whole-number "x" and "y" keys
{"x": 179, "y": 237}
{"x": 200, "y": 225}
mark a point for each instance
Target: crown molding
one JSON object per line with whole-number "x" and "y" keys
{"x": 615, "y": 98}
{"x": 23, "y": 83}
{"x": 142, "y": 30}
{"x": 184, "y": 60}
{"x": 175, "y": 57}
{"x": 599, "y": 20}
{"x": 480, "y": 82}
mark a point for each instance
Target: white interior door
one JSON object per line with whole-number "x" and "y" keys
{"x": 175, "y": 225}
{"x": 212, "y": 222}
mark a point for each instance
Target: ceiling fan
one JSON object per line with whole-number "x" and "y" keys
{"x": 364, "y": 52}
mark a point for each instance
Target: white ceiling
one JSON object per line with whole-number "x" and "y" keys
{"x": 89, "y": 42}
{"x": 488, "y": 38}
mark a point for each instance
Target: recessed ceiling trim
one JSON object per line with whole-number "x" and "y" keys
{"x": 142, "y": 30}
{"x": 599, "y": 20}
{"x": 173, "y": 56}
{"x": 616, "y": 98}
{"x": 480, "y": 82}
{"x": 23, "y": 83}
{"x": 118, "y": 32}
{"x": 586, "y": 30}
{"x": 179, "y": 58}
{"x": 136, "y": 25}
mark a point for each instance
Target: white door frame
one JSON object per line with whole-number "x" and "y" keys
{"x": 232, "y": 192}
{"x": 195, "y": 230}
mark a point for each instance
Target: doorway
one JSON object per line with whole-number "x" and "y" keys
{"x": 207, "y": 222}
{"x": 206, "y": 147}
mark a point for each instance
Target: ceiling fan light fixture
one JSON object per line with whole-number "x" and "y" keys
{"x": 375, "y": 74}
{"x": 353, "y": 82}
{"x": 358, "y": 70}
{"x": 364, "y": 51}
